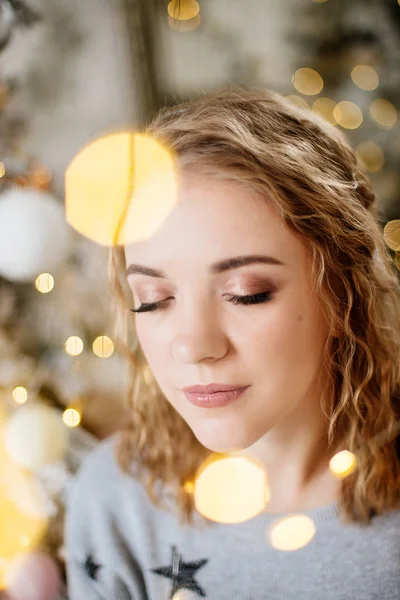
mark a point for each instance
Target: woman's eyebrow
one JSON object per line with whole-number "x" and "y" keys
{"x": 216, "y": 268}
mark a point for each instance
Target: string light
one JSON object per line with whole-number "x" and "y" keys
{"x": 348, "y": 114}
{"x": 291, "y": 533}
{"x": 44, "y": 283}
{"x": 20, "y": 395}
{"x": 342, "y": 464}
{"x": 370, "y": 155}
{"x": 307, "y": 81}
{"x": 73, "y": 345}
{"x": 365, "y": 77}
{"x": 103, "y": 346}
{"x": 383, "y": 112}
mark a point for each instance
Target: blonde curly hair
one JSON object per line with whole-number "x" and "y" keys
{"x": 309, "y": 171}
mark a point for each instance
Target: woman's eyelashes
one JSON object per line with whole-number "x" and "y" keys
{"x": 260, "y": 298}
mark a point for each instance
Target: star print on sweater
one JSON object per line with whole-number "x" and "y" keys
{"x": 182, "y": 573}
{"x": 91, "y": 567}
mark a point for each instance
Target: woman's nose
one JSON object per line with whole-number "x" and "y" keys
{"x": 199, "y": 336}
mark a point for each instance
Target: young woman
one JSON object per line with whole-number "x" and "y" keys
{"x": 270, "y": 275}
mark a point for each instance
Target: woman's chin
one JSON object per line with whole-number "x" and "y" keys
{"x": 222, "y": 441}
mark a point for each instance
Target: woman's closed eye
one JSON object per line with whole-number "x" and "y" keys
{"x": 260, "y": 298}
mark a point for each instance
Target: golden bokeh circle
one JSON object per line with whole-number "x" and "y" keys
{"x": 103, "y": 346}
{"x": 370, "y": 155}
{"x": 365, "y": 77}
{"x": 73, "y": 345}
{"x": 383, "y": 112}
{"x": 291, "y": 533}
{"x": 348, "y": 114}
{"x": 44, "y": 283}
{"x": 307, "y": 81}
{"x": 325, "y": 108}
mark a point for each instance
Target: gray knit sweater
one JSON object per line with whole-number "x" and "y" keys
{"x": 119, "y": 546}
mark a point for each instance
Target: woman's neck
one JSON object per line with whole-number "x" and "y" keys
{"x": 296, "y": 457}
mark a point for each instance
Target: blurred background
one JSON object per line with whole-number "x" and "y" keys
{"x": 72, "y": 71}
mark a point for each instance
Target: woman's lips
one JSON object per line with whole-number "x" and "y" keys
{"x": 215, "y": 400}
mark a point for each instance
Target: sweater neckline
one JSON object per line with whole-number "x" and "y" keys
{"x": 319, "y": 515}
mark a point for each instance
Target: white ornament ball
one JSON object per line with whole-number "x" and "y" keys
{"x": 34, "y": 235}
{"x": 35, "y": 436}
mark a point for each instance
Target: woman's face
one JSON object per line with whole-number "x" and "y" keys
{"x": 198, "y": 336}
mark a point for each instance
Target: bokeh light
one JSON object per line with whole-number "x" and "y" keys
{"x": 71, "y": 417}
{"x": 298, "y": 100}
{"x": 120, "y": 188}
{"x": 103, "y": 346}
{"x": 342, "y": 464}
{"x": 183, "y": 10}
{"x": 19, "y": 530}
{"x": 2, "y": 169}
{"x": 73, "y": 345}
{"x": 307, "y": 81}
{"x": 370, "y": 155}
{"x": 391, "y": 235}
{"x": 291, "y": 533}
{"x": 383, "y": 112}
{"x": 231, "y": 489}
{"x": 189, "y": 487}
{"x": 365, "y": 77}
{"x": 20, "y": 395}
{"x": 325, "y": 107}
{"x": 44, "y": 283}
{"x": 348, "y": 114}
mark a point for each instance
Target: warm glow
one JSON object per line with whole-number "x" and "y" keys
{"x": 307, "y": 81}
{"x": 44, "y": 283}
{"x": 103, "y": 346}
{"x": 73, "y": 345}
{"x": 292, "y": 533}
{"x": 71, "y": 417}
{"x": 183, "y": 10}
{"x": 189, "y": 487}
{"x": 370, "y": 155}
{"x": 325, "y": 107}
{"x": 18, "y": 529}
{"x": 25, "y": 541}
{"x": 298, "y": 100}
{"x": 182, "y": 594}
{"x": 365, "y": 77}
{"x": 343, "y": 463}
{"x": 20, "y": 395}
{"x": 383, "y": 112}
{"x": 348, "y": 115}
{"x": 231, "y": 489}
{"x": 120, "y": 188}
{"x": 2, "y": 169}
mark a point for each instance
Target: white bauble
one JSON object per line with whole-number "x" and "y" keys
{"x": 35, "y": 436}
{"x": 34, "y": 235}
